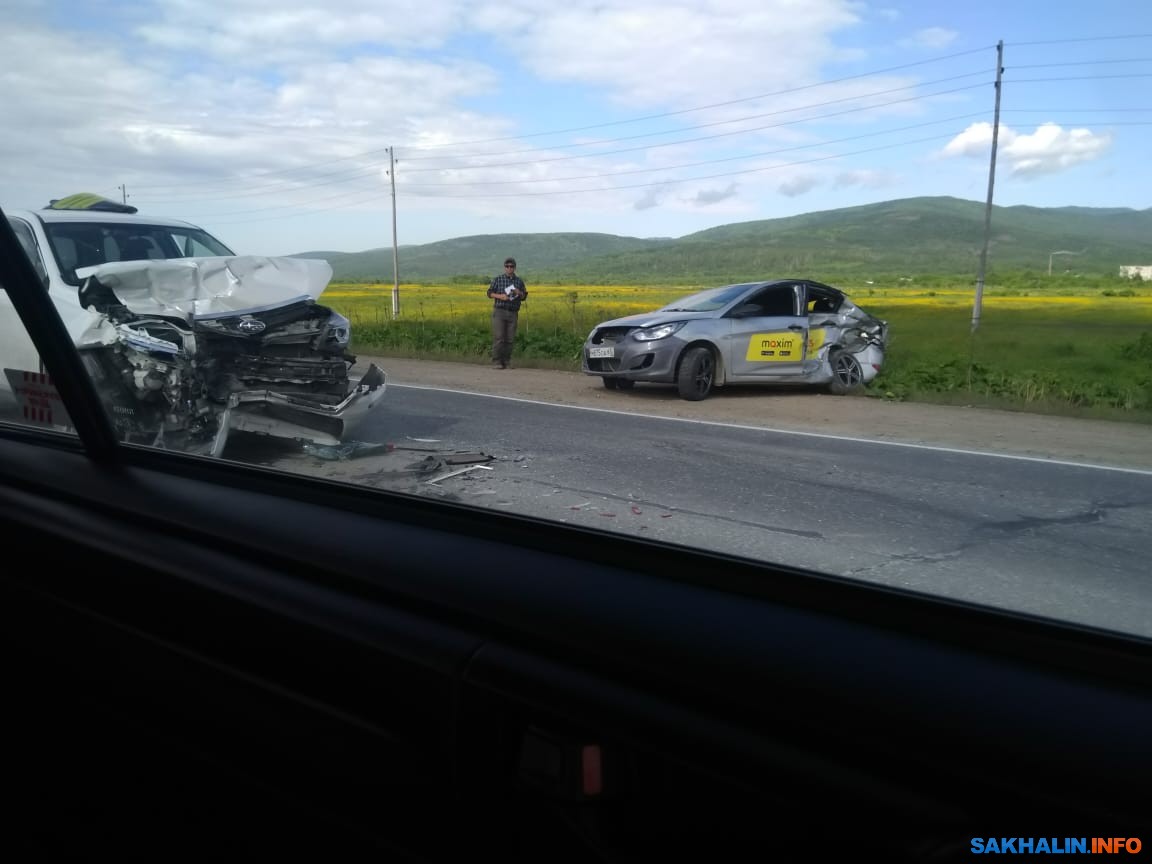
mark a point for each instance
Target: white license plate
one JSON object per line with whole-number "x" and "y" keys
{"x": 602, "y": 351}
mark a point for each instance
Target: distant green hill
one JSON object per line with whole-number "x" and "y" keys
{"x": 892, "y": 238}
{"x": 481, "y": 256}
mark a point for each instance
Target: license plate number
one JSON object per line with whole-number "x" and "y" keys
{"x": 602, "y": 351}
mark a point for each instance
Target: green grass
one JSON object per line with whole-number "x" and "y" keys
{"x": 1063, "y": 348}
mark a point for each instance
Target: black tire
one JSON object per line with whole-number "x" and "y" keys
{"x": 610, "y": 383}
{"x": 696, "y": 375}
{"x": 847, "y": 373}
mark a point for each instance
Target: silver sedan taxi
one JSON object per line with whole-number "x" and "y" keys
{"x": 783, "y": 331}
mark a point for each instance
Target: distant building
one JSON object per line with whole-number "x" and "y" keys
{"x": 1132, "y": 271}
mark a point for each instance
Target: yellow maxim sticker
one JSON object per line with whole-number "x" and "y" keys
{"x": 783, "y": 347}
{"x": 815, "y": 340}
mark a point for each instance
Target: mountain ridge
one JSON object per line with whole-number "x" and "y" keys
{"x": 930, "y": 234}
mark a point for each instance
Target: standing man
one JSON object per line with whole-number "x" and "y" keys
{"x": 508, "y": 292}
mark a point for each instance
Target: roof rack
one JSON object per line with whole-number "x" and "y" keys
{"x": 89, "y": 201}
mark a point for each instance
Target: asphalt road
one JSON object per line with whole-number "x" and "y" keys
{"x": 1049, "y": 538}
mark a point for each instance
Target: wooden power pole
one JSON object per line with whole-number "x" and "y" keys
{"x": 991, "y": 183}
{"x": 395, "y": 253}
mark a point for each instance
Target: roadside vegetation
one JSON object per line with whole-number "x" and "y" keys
{"x": 1064, "y": 344}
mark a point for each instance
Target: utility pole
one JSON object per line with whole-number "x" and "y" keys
{"x": 395, "y": 255}
{"x": 123, "y": 193}
{"x": 991, "y": 182}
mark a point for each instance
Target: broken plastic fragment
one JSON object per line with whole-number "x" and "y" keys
{"x": 347, "y": 450}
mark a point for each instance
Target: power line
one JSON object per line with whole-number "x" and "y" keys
{"x": 369, "y": 171}
{"x": 716, "y": 123}
{"x": 358, "y": 197}
{"x": 784, "y": 92}
{"x": 1080, "y": 78}
{"x": 346, "y": 176}
{"x": 854, "y": 98}
{"x": 693, "y": 140}
{"x": 1082, "y": 39}
{"x": 704, "y": 177}
{"x": 295, "y": 211}
{"x": 1080, "y": 63}
{"x": 697, "y": 164}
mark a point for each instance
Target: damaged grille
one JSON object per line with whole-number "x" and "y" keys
{"x": 611, "y": 335}
{"x": 292, "y": 349}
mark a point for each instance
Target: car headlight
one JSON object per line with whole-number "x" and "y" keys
{"x": 660, "y": 331}
{"x": 339, "y": 328}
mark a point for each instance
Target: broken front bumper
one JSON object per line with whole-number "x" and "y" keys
{"x": 300, "y": 417}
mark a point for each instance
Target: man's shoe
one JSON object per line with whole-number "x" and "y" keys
{"x": 499, "y": 365}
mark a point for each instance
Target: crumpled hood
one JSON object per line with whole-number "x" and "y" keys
{"x": 200, "y": 288}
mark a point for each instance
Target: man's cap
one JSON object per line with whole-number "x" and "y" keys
{"x": 511, "y": 261}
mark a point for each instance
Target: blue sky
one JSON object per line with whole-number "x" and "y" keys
{"x": 269, "y": 124}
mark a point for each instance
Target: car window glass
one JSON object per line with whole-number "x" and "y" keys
{"x": 777, "y": 300}
{"x": 192, "y": 243}
{"x": 660, "y": 218}
{"x": 822, "y": 300}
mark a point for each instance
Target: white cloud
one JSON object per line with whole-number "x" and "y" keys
{"x": 798, "y": 185}
{"x": 648, "y": 200}
{"x": 865, "y": 178}
{"x": 1049, "y": 150}
{"x": 932, "y": 38}
{"x": 639, "y": 52}
{"x": 254, "y": 33}
{"x": 217, "y": 109}
{"x": 704, "y": 197}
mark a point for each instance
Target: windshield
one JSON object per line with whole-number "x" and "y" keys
{"x": 85, "y": 244}
{"x": 492, "y": 204}
{"x": 707, "y": 301}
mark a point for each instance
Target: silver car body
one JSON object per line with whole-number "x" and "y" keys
{"x": 185, "y": 349}
{"x": 782, "y": 331}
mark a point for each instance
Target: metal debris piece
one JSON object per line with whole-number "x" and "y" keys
{"x": 466, "y": 458}
{"x": 426, "y": 465}
{"x": 347, "y": 450}
{"x": 454, "y": 473}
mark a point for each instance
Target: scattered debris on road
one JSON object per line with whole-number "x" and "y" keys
{"x": 347, "y": 450}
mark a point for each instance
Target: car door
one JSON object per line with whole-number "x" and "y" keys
{"x": 27, "y": 394}
{"x": 768, "y": 335}
{"x": 17, "y": 351}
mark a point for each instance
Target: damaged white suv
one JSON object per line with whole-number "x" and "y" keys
{"x": 184, "y": 339}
